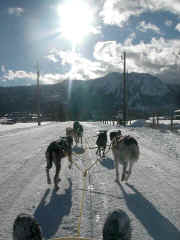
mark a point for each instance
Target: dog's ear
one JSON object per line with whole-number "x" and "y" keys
{"x": 117, "y": 226}
{"x": 26, "y": 227}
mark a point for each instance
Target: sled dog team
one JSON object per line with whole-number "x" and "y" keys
{"x": 125, "y": 151}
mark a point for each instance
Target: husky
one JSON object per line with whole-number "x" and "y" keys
{"x": 54, "y": 153}
{"x": 101, "y": 143}
{"x": 78, "y": 132}
{"x": 114, "y": 134}
{"x": 125, "y": 150}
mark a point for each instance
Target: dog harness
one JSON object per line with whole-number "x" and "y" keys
{"x": 128, "y": 140}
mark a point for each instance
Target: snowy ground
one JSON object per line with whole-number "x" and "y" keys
{"x": 18, "y": 126}
{"x": 151, "y": 198}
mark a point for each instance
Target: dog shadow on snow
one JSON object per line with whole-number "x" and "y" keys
{"x": 78, "y": 150}
{"x": 107, "y": 162}
{"x": 157, "y": 225}
{"x": 49, "y": 214}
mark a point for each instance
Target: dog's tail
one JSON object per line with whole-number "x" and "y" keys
{"x": 134, "y": 151}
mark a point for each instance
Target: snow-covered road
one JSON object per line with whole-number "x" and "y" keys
{"x": 151, "y": 198}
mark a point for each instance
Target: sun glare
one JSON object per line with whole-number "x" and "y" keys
{"x": 76, "y": 19}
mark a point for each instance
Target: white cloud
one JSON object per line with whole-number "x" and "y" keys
{"x": 157, "y": 57}
{"x": 11, "y": 75}
{"x": 50, "y": 78}
{"x": 80, "y": 67}
{"x": 47, "y": 78}
{"x": 52, "y": 58}
{"x": 143, "y": 27}
{"x": 117, "y": 12}
{"x": 178, "y": 27}
{"x": 110, "y": 53}
{"x": 16, "y": 11}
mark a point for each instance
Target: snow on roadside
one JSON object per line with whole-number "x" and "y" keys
{"x": 9, "y": 127}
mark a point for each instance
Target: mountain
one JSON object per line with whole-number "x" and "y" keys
{"x": 104, "y": 96}
{"x": 95, "y": 99}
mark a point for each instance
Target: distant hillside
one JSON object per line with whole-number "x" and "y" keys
{"x": 104, "y": 96}
{"x": 94, "y": 99}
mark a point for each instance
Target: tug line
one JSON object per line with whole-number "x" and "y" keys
{"x": 85, "y": 173}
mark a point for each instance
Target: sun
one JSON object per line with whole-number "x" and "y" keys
{"x": 76, "y": 20}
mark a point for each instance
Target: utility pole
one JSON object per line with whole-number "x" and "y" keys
{"x": 127, "y": 96}
{"x": 124, "y": 92}
{"x": 38, "y": 96}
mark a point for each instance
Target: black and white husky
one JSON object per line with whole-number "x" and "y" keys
{"x": 101, "y": 143}
{"x": 54, "y": 153}
{"x": 125, "y": 150}
{"x": 78, "y": 132}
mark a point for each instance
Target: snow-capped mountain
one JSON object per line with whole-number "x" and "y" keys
{"x": 101, "y": 98}
{"x": 145, "y": 93}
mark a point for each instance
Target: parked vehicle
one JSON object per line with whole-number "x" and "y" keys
{"x": 7, "y": 121}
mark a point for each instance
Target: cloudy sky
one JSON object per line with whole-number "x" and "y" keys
{"x": 78, "y": 39}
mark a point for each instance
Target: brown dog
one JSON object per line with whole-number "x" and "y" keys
{"x": 54, "y": 153}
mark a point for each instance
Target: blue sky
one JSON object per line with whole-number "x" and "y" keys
{"x": 76, "y": 39}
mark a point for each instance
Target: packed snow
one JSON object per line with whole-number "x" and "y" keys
{"x": 150, "y": 198}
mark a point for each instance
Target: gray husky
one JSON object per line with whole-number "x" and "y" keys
{"x": 125, "y": 150}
